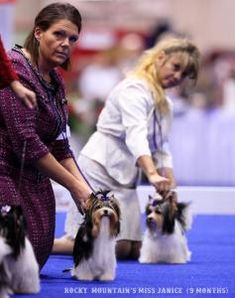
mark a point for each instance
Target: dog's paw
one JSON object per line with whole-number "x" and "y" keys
{"x": 107, "y": 276}
{"x": 6, "y": 292}
{"x": 81, "y": 275}
{"x": 85, "y": 277}
{"x": 145, "y": 260}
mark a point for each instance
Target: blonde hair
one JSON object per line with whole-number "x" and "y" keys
{"x": 146, "y": 66}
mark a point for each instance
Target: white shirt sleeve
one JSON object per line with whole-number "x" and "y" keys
{"x": 135, "y": 104}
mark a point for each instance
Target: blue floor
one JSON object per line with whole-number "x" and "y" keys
{"x": 211, "y": 273}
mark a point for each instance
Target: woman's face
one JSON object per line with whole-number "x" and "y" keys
{"x": 56, "y": 43}
{"x": 171, "y": 69}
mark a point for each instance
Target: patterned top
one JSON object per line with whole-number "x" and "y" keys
{"x": 26, "y": 135}
{"x": 38, "y": 128}
{"x": 7, "y": 74}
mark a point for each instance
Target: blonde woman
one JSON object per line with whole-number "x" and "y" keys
{"x": 132, "y": 136}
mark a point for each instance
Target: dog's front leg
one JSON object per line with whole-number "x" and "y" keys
{"x": 83, "y": 271}
{"x": 25, "y": 271}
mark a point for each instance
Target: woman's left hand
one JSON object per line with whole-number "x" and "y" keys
{"x": 160, "y": 183}
{"x": 169, "y": 174}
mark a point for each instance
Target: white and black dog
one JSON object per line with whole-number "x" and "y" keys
{"x": 94, "y": 247}
{"x": 164, "y": 239}
{"x": 19, "y": 270}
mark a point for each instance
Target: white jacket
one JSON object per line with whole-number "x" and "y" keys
{"x": 128, "y": 127}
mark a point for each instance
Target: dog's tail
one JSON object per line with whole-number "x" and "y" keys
{"x": 5, "y": 249}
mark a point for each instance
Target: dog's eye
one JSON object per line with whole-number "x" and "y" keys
{"x": 98, "y": 207}
{"x": 158, "y": 211}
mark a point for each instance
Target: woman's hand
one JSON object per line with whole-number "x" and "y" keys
{"x": 169, "y": 174}
{"x": 160, "y": 183}
{"x": 26, "y": 95}
{"x": 81, "y": 205}
{"x": 80, "y": 197}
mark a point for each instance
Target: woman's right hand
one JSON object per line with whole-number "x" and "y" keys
{"x": 80, "y": 197}
{"x": 80, "y": 204}
{"x": 160, "y": 183}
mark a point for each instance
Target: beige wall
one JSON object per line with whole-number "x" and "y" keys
{"x": 210, "y": 23}
{"x": 25, "y": 12}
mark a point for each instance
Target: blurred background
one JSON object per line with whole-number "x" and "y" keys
{"x": 114, "y": 34}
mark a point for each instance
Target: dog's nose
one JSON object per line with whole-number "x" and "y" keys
{"x": 149, "y": 219}
{"x": 105, "y": 212}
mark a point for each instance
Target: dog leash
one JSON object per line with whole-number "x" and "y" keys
{"x": 157, "y": 120}
{"x": 84, "y": 177}
{"x": 93, "y": 194}
{"x": 65, "y": 136}
{"x": 159, "y": 123}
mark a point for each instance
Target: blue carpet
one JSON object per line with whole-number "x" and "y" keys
{"x": 211, "y": 273}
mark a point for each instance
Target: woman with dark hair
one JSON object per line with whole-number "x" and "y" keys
{"x": 8, "y": 77}
{"x": 33, "y": 142}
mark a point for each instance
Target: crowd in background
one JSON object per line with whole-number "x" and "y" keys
{"x": 204, "y": 118}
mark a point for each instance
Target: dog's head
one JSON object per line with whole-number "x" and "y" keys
{"x": 163, "y": 211}
{"x": 13, "y": 227}
{"x": 101, "y": 205}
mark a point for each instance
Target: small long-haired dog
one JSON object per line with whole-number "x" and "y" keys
{"x": 164, "y": 239}
{"x": 94, "y": 247}
{"x": 19, "y": 270}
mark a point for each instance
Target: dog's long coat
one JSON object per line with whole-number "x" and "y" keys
{"x": 19, "y": 270}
